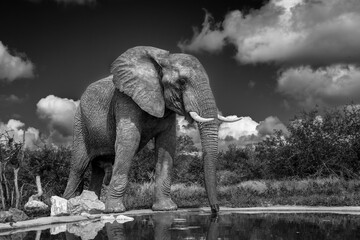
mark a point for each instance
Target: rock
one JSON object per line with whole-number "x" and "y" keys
{"x": 86, "y": 202}
{"x": 13, "y": 215}
{"x": 18, "y": 215}
{"x": 35, "y": 205}
{"x": 5, "y": 216}
{"x": 85, "y": 230}
{"x": 59, "y": 206}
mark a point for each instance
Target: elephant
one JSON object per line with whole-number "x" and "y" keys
{"x": 120, "y": 114}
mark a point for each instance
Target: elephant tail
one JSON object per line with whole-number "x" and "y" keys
{"x": 74, "y": 183}
{"x": 79, "y": 159}
{"x": 108, "y": 173}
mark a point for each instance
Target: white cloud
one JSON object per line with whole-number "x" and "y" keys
{"x": 15, "y": 129}
{"x": 319, "y": 31}
{"x": 243, "y": 127}
{"x": 59, "y": 113}
{"x": 14, "y": 124}
{"x": 208, "y": 39}
{"x": 14, "y": 67}
{"x": 327, "y": 86}
{"x": 269, "y": 125}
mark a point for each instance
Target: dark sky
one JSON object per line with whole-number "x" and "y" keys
{"x": 71, "y": 43}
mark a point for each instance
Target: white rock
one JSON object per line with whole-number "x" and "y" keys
{"x": 58, "y": 206}
{"x": 35, "y": 205}
{"x": 86, "y": 202}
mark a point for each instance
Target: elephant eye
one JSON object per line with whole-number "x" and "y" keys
{"x": 182, "y": 81}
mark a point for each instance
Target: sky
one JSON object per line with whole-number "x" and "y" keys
{"x": 266, "y": 60}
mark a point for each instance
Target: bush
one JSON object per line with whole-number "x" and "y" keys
{"x": 226, "y": 177}
{"x": 143, "y": 166}
{"x": 317, "y": 146}
{"x": 52, "y": 164}
{"x": 241, "y": 161}
{"x": 188, "y": 168}
{"x": 49, "y": 162}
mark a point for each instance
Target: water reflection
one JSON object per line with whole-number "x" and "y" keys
{"x": 158, "y": 226}
{"x": 199, "y": 226}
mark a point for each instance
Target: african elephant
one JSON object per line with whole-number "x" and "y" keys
{"x": 118, "y": 115}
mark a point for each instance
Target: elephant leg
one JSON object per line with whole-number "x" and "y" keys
{"x": 165, "y": 145}
{"x": 126, "y": 145}
{"x": 97, "y": 177}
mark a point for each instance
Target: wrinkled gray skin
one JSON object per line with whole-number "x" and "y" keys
{"x": 118, "y": 115}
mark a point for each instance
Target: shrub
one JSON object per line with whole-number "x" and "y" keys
{"x": 226, "y": 177}
{"x": 188, "y": 168}
{"x": 317, "y": 146}
{"x": 52, "y": 164}
{"x": 143, "y": 166}
{"x": 241, "y": 161}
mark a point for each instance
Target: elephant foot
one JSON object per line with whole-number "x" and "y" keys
{"x": 114, "y": 206}
{"x": 165, "y": 204}
{"x": 214, "y": 209}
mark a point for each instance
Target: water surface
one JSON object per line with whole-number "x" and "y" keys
{"x": 198, "y": 225}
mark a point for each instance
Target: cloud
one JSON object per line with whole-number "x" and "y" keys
{"x": 322, "y": 31}
{"x": 66, "y": 2}
{"x": 15, "y": 129}
{"x": 326, "y": 86}
{"x": 14, "y": 67}
{"x": 210, "y": 38}
{"x": 9, "y": 99}
{"x": 243, "y": 127}
{"x": 269, "y": 125}
{"x": 14, "y": 124}
{"x": 59, "y": 114}
{"x": 240, "y": 133}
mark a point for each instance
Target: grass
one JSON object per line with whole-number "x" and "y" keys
{"x": 310, "y": 192}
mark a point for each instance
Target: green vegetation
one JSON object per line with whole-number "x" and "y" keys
{"x": 315, "y": 163}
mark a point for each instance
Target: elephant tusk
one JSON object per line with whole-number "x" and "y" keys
{"x": 229, "y": 118}
{"x": 197, "y": 118}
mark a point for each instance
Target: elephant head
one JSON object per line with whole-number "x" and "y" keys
{"x": 157, "y": 80}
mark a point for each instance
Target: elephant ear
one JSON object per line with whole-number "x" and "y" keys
{"x": 137, "y": 73}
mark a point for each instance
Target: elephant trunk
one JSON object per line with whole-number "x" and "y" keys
{"x": 209, "y": 141}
